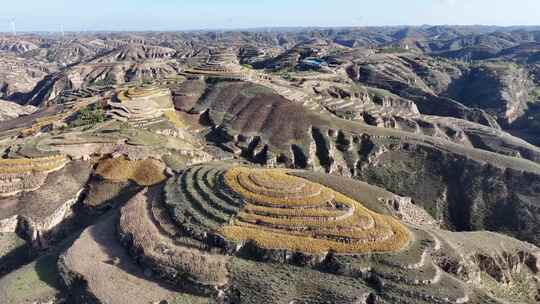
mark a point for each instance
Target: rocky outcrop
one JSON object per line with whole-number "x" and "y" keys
{"x": 404, "y": 209}
{"x": 502, "y": 89}
{"x": 503, "y": 267}
{"x": 9, "y": 225}
{"x": 417, "y": 78}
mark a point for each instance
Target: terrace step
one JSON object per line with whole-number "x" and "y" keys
{"x": 168, "y": 228}
{"x": 198, "y": 201}
{"x": 190, "y": 220}
{"x": 428, "y": 274}
{"x": 207, "y": 193}
{"x": 415, "y": 256}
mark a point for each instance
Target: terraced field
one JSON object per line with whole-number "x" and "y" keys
{"x": 287, "y": 212}
{"x": 28, "y": 174}
{"x": 276, "y": 211}
{"x": 222, "y": 62}
{"x": 198, "y": 203}
{"x": 191, "y": 233}
{"x": 138, "y": 104}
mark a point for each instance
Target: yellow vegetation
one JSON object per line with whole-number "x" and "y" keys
{"x": 316, "y": 244}
{"x": 310, "y": 194}
{"x": 172, "y": 116}
{"x": 287, "y": 212}
{"x": 41, "y": 164}
{"x": 143, "y": 172}
{"x": 299, "y": 212}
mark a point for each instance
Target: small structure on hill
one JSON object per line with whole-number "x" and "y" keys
{"x": 146, "y": 102}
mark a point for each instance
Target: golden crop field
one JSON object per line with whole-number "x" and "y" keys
{"x": 308, "y": 195}
{"x": 287, "y": 212}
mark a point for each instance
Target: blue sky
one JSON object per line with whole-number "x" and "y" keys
{"x": 49, "y": 15}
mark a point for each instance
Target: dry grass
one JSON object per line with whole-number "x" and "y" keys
{"x": 143, "y": 172}
{"x": 313, "y": 244}
{"x": 203, "y": 267}
{"x": 303, "y": 216}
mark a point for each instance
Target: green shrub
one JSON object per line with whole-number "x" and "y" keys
{"x": 88, "y": 116}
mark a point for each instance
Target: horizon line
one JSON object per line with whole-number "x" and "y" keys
{"x": 261, "y": 28}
